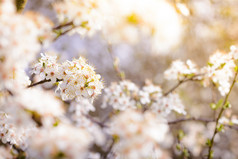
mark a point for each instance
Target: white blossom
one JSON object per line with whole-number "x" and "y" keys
{"x": 179, "y": 70}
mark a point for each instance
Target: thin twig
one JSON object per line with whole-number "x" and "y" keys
{"x": 101, "y": 124}
{"x": 62, "y": 25}
{"x": 43, "y": 81}
{"x": 190, "y": 119}
{"x": 105, "y": 156}
{"x": 37, "y": 83}
{"x": 181, "y": 82}
{"x": 116, "y": 67}
{"x": 63, "y": 33}
{"x": 204, "y": 120}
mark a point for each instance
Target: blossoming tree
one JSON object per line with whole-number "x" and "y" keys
{"x": 49, "y": 107}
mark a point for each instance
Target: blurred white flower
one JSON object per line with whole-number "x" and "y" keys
{"x": 62, "y": 140}
{"x": 139, "y": 134}
{"x": 19, "y": 39}
{"x": 50, "y": 106}
{"x": 124, "y": 20}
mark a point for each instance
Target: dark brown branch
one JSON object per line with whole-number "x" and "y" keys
{"x": 105, "y": 155}
{"x": 101, "y": 124}
{"x": 43, "y": 81}
{"x": 204, "y": 120}
{"x": 190, "y": 119}
{"x": 37, "y": 83}
{"x": 63, "y": 33}
{"x": 173, "y": 88}
{"x": 62, "y": 25}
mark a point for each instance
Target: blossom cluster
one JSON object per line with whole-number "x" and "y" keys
{"x": 126, "y": 94}
{"x": 76, "y": 78}
{"x": 220, "y": 70}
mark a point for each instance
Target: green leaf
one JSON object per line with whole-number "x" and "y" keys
{"x": 190, "y": 75}
{"x": 208, "y": 143}
{"x": 227, "y": 105}
{"x": 185, "y": 153}
{"x": 56, "y": 123}
{"x": 210, "y": 64}
{"x": 84, "y": 24}
{"x": 222, "y": 65}
{"x": 220, "y": 127}
{"x": 217, "y": 105}
{"x": 178, "y": 147}
{"x": 133, "y": 19}
{"x": 236, "y": 68}
{"x": 180, "y": 135}
{"x": 213, "y": 106}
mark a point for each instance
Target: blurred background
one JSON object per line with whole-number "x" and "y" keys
{"x": 194, "y": 29}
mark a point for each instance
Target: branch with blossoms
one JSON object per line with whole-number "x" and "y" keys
{"x": 224, "y": 106}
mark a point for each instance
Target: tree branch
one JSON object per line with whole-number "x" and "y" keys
{"x": 63, "y": 33}
{"x": 181, "y": 82}
{"x": 119, "y": 72}
{"x": 37, "y": 83}
{"x": 43, "y": 81}
{"x": 190, "y": 119}
{"x": 62, "y": 25}
{"x": 203, "y": 120}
